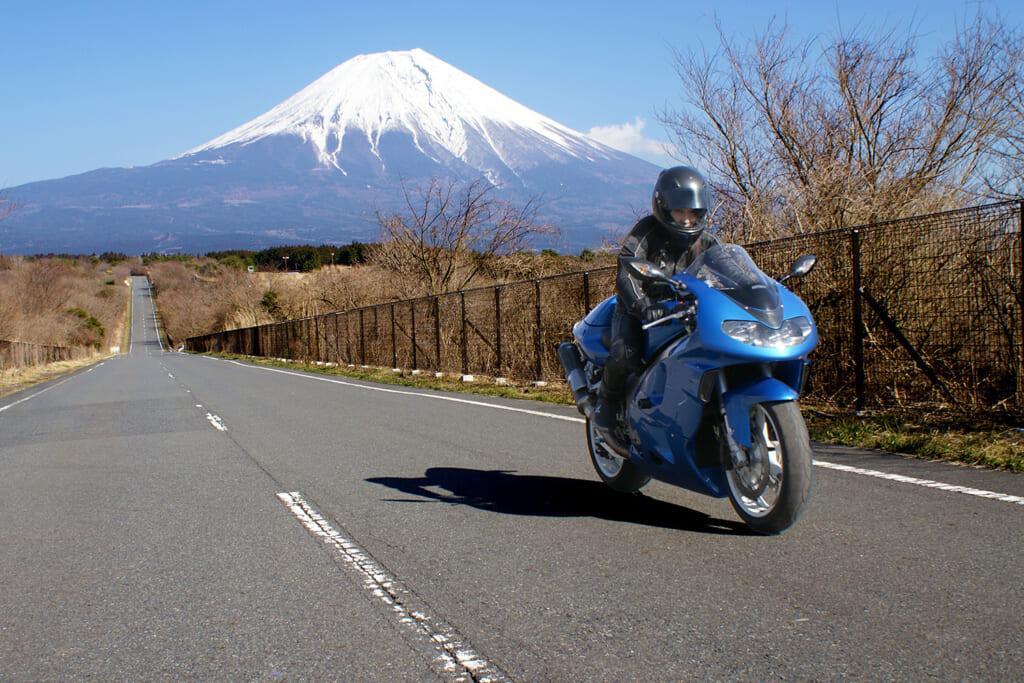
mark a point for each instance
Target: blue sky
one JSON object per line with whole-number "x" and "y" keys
{"x": 129, "y": 83}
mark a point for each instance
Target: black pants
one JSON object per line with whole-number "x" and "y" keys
{"x": 626, "y": 355}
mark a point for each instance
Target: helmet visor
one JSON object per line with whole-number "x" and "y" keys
{"x": 685, "y": 197}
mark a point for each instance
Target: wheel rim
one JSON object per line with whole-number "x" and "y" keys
{"x": 606, "y": 460}
{"x": 757, "y": 485}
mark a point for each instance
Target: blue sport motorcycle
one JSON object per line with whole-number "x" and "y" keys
{"x": 715, "y": 408}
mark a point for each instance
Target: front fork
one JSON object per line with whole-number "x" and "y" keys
{"x": 734, "y": 405}
{"x": 733, "y": 456}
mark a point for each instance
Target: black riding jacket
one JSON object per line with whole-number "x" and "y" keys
{"x": 648, "y": 240}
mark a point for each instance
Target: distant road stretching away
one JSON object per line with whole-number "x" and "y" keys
{"x": 170, "y": 516}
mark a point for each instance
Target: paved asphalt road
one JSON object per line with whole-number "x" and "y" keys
{"x": 168, "y": 516}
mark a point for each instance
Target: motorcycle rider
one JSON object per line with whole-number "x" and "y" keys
{"x": 670, "y": 238}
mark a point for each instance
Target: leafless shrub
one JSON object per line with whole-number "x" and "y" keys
{"x": 820, "y": 134}
{"x": 449, "y": 232}
{"x": 60, "y": 303}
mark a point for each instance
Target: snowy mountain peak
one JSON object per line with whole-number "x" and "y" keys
{"x": 447, "y": 113}
{"x": 315, "y": 168}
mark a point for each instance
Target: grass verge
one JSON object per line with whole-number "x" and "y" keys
{"x": 552, "y": 392}
{"x": 951, "y": 438}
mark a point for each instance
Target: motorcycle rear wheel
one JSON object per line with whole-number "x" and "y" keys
{"x": 615, "y": 471}
{"x": 771, "y": 491}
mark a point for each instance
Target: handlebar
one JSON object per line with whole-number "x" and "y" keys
{"x": 684, "y": 311}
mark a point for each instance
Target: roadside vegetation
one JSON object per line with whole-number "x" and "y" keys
{"x": 64, "y": 300}
{"x": 76, "y": 302}
{"x": 804, "y": 133}
{"x": 925, "y": 435}
{"x": 200, "y": 295}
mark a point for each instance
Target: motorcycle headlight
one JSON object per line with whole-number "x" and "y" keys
{"x": 792, "y": 332}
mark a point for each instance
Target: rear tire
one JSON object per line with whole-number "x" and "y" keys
{"x": 616, "y": 471}
{"x": 771, "y": 492}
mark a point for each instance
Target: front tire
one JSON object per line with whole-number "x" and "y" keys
{"x": 615, "y": 471}
{"x": 771, "y": 491}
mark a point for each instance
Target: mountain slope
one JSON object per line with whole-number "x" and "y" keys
{"x": 315, "y": 168}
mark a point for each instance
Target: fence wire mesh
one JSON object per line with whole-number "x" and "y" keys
{"x": 924, "y": 311}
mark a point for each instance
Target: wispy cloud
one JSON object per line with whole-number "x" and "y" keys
{"x": 629, "y": 138}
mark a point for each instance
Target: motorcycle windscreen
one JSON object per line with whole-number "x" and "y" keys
{"x": 729, "y": 269}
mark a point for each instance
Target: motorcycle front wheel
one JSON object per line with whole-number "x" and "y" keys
{"x": 771, "y": 491}
{"x": 615, "y": 471}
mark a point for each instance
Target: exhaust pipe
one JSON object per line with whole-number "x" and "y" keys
{"x": 572, "y": 363}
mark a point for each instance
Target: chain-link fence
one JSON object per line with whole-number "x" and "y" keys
{"x": 918, "y": 311}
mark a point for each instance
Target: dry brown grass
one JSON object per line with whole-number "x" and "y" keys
{"x": 201, "y": 296}
{"x": 68, "y": 302}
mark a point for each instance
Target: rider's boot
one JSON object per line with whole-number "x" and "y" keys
{"x": 604, "y": 413}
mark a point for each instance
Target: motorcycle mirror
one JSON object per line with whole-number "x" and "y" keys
{"x": 643, "y": 269}
{"x": 802, "y": 266}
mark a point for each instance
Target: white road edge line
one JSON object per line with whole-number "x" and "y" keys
{"x": 454, "y": 657}
{"x": 437, "y": 397}
{"x": 926, "y": 483}
{"x": 38, "y": 393}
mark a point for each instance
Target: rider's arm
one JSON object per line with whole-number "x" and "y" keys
{"x": 628, "y": 286}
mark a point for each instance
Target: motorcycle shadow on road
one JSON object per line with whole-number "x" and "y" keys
{"x": 506, "y": 492}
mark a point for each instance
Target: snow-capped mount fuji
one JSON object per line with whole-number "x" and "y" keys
{"x": 449, "y": 115}
{"x": 316, "y": 167}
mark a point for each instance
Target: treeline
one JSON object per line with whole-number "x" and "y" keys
{"x": 111, "y": 258}
{"x": 295, "y": 258}
{"x": 302, "y": 259}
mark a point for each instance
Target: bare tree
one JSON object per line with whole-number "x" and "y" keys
{"x": 822, "y": 133}
{"x": 1004, "y": 179}
{"x": 449, "y": 231}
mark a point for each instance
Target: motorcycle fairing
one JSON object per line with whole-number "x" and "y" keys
{"x": 592, "y": 332}
{"x": 667, "y": 415}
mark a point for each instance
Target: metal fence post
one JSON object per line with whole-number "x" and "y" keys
{"x": 375, "y": 345}
{"x": 586, "y": 292}
{"x": 362, "y": 337}
{"x": 465, "y": 349}
{"x": 394, "y": 347}
{"x": 316, "y": 335}
{"x": 350, "y": 357}
{"x": 437, "y": 333}
{"x": 538, "y": 343}
{"x": 1020, "y": 307}
{"x": 497, "y": 326}
{"x": 858, "y": 324}
{"x": 412, "y": 317}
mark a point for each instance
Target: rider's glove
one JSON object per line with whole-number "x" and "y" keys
{"x": 655, "y": 311}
